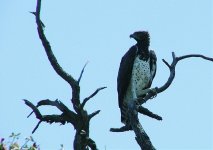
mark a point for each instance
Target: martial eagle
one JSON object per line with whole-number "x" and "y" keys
{"x": 136, "y": 72}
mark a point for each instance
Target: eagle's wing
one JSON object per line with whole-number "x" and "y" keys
{"x": 124, "y": 73}
{"x": 153, "y": 63}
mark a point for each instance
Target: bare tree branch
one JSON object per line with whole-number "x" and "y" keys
{"x": 66, "y": 116}
{"x": 31, "y": 112}
{"x": 172, "y": 74}
{"x": 34, "y": 108}
{"x": 48, "y": 48}
{"x": 67, "y": 77}
{"x": 195, "y": 55}
{"x": 121, "y": 129}
{"x": 91, "y": 96}
{"x": 57, "y": 104}
{"x": 141, "y": 137}
{"x": 147, "y": 112}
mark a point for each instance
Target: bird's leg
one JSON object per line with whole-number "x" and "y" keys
{"x": 154, "y": 92}
{"x": 151, "y": 90}
{"x": 144, "y": 92}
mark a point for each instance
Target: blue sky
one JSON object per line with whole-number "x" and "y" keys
{"x": 98, "y": 32}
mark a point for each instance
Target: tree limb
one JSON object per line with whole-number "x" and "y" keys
{"x": 34, "y": 108}
{"x": 58, "y": 69}
{"x": 147, "y": 112}
{"x": 194, "y": 55}
{"x": 57, "y": 104}
{"x": 121, "y": 129}
{"x": 92, "y": 144}
{"x": 172, "y": 74}
{"x": 48, "y": 48}
{"x": 66, "y": 116}
{"x": 141, "y": 137}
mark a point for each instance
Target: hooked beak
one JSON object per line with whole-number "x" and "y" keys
{"x": 131, "y": 36}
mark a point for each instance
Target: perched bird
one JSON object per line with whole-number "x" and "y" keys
{"x": 136, "y": 72}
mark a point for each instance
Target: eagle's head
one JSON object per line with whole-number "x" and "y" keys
{"x": 141, "y": 37}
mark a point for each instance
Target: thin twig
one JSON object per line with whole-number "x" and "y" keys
{"x": 36, "y": 127}
{"x": 34, "y": 108}
{"x": 167, "y": 64}
{"x": 195, "y": 55}
{"x": 32, "y": 111}
{"x": 82, "y": 71}
{"x": 91, "y": 96}
{"x": 94, "y": 114}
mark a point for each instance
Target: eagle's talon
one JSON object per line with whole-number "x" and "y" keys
{"x": 154, "y": 93}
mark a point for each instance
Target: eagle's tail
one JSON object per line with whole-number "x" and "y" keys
{"x": 124, "y": 114}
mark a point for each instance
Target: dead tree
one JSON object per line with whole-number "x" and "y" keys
{"x": 78, "y": 117}
{"x": 142, "y": 138}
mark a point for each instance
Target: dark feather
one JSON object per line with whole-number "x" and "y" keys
{"x": 153, "y": 63}
{"x": 124, "y": 73}
{"x": 153, "y": 66}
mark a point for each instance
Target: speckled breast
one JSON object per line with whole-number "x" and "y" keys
{"x": 140, "y": 74}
